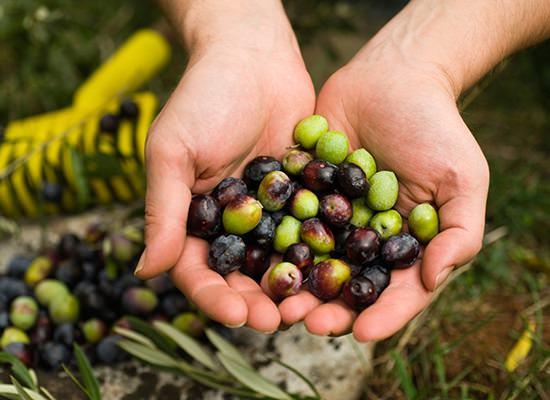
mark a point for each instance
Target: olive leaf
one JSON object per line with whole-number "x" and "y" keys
{"x": 20, "y": 389}
{"x": 19, "y": 370}
{"x": 226, "y": 348}
{"x": 136, "y": 337}
{"x": 86, "y": 372}
{"x": 160, "y": 341}
{"x": 147, "y": 354}
{"x": 187, "y": 344}
{"x": 252, "y": 379}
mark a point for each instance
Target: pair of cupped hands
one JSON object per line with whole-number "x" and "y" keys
{"x": 236, "y": 102}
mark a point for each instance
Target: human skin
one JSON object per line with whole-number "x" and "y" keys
{"x": 397, "y": 98}
{"x": 245, "y": 83}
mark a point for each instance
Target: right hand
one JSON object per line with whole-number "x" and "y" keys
{"x": 232, "y": 104}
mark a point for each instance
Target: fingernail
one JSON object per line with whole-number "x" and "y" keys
{"x": 269, "y": 332}
{"x": 235, "y": 326}
{"x": 440, "y": 278}
{"x": 140, "y": 264}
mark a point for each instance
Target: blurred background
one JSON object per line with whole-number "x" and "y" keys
{"x": 457, "y": 349}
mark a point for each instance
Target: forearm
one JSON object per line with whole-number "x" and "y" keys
{"x": 464, "y": 38}
{"x": 255, "y": 25}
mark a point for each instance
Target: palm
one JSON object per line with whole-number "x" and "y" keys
{"x": 411, "y": 126}
{"x": 224, "y": 112}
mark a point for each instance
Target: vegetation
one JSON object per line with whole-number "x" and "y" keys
{"x": 458, "y": 347}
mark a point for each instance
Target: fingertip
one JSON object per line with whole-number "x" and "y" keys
{"x": 295, "y": 308}
{"x": 333, "y": 318}
{"x": 222, "y": 304}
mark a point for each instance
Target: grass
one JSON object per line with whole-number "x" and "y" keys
{"x": 457, "y": 349}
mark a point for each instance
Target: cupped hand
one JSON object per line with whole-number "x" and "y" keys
{"x": 406, "y": 116}
{"x": 230, "y": 106}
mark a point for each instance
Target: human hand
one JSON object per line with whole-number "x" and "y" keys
{"x": 405, "y": 114}
{"x": 234, "y": 102}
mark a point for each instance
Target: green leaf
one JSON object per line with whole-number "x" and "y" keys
{"x": 86, "y": 372}
{"x": 147, "y": 354}
{"x": 162, "y": 342}
{"x": 404, "y": 376}
{"x": 76, "y": 381}
{"x": 47, "y": 393}
{"x": 136, "y": 337}
{"x": 20, "y": 389}
{"x": 299, "y": 375}
{"x": 10, "y": 392}
{"x": 19, "y": 370}
{"x": 250, "y": 378}
{"x": 189, "y": 345}
{"x": 226, "y": 348}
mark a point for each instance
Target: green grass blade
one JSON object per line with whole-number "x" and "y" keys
{"x": 403, "y": 375}
{"x": 75, "y": 381}
{"x": 253, "y": 380}
{"x": 86, "y": 372}
{"x": 19, "y": 370}
{"x": 152, "y": 356}
{"x": 299, "y": 375}
{"x": 189, "y": 345}
{"x": 22, "y": 393}
{"x": 47, "y": 393}
{"x": 440, "y": 371}
{"x": 226, "y": 348}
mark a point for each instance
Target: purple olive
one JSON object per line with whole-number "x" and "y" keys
{"x": 362, "y": 245}
{"x": 285, "y": 279}
{"x": 204, "y": 218}
{"x": 359, "y": 293}
{"x": 258, "y": 168}
{"x": 228, "y": 190}
{"x": 351, "y": 180}
{"x": 256, "y": 261}
{"x": 300, "y": 255}
{"x": 335, "y": 209}
{"x": 317, "y": 235}
{"x": 400, "y": 251}
{"x": 318, "y": 175}
{"x": 326, "y": 279}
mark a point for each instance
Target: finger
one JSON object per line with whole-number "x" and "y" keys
{"x": 398, "y": 304}
{"x": 462, "y": 222}
{"x": 206, "y": 288}
{"x": 263, "y": 314}
{"x": 292, "y": 309}
{"x": 333, "y": 318}
{"x": 169, "y": 178}
{"x": 295, "y": 308}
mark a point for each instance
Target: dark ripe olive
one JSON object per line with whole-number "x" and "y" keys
{"x": 351, "y": 180}
{"x": 359, "y": 293}
{"x": 318, "y": 175}
{"x": 67, "y": 246}
{"x": 326, "y": 279}
{"x": 362, "y": 245}
{"x": 400, "y": 251}
{"x": 128, "y": 109}
{"x": 256, "y": 261}
{"x": 300, "y": 255}
{"x": 204, "y": 219}
{"x": 228, "y": 190}
{"x": 335, "y": 209}
{"x": 53, "y": 355}
{"x": 109, "y": 123}
{"x": 227, "y": 253}
{"x": 264, "y": 233}
{"x": 379, "y": 275}
{"x": 340, "y": 236}
{"x": 258, "y": 168}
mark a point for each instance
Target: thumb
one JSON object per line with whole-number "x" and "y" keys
{"x": 170, "y": 175}
{"x": 462, "y": 222}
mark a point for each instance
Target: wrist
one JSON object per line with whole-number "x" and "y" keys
{"x": 457, "y": 40}
{"x": 239, "y": 25}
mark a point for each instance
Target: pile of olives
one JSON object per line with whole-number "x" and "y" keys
{"x": 328, "y": 213}
{"x": 77, "y": 292}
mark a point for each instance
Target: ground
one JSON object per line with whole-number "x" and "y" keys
{"x": 457, "y": 348}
